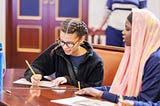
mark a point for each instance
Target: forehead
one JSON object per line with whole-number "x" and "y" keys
{"x": 67, "y": 37}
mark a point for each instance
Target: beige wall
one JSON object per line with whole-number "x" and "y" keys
{"x": 96, "y": 10}
{"x": 153, "y": 5}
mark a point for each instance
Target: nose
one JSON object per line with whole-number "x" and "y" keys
{"x": 123, "y": 36}
{"x": 65, "y": 46}
{"x": 123, "y": 32}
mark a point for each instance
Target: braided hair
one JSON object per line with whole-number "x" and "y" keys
{"x": 71, "y": 26}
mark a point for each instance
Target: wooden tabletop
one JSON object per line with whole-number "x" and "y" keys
{"x": 18, "y": 95}
{"x": 25, "y": 95}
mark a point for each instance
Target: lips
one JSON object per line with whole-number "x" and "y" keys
{"x": 67, "y": 51}
{"x": 123, "y": 40}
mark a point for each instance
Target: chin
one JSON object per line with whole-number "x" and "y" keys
{"x": 128, "y": 44}
{"x": 67, "y": 53}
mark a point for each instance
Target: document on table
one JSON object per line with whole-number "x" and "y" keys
{"x": 82, "y": 101}
{"x": 42, "y": 83}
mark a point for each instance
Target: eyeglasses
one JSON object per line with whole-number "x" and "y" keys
{"x": 68, "y": 44}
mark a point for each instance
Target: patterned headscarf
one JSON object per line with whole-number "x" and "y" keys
{"x": 145, "y": 40}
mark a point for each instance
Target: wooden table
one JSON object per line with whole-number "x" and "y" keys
{"x": 24, "y": 95}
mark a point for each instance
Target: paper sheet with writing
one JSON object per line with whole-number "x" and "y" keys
{"x": 42, "y": 83}
{"x": 82, "y": 101}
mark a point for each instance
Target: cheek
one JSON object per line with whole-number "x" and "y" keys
{"x": 128, "y": 39}
{"x": 129, "y": 36}
{"x": 74, "y": 48}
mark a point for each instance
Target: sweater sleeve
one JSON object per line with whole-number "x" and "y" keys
{"x": 43, "y": 64}
{"x": 106, "y": 95}
{"x": 142, "y": 4}
{"x": 150, "y": 83}
{"x": 28, "y": 73}
{"x": 140, "y": 103}
{"x": 108, "y": 9}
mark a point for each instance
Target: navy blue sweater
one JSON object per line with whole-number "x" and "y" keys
{"x": 150, "y": 82}
{"x": 140, "y": 103}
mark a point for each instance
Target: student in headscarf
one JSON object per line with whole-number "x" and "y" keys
{"x": 138, "y": 75}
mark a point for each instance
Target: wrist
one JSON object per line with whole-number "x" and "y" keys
{"x": 99, "y": 94}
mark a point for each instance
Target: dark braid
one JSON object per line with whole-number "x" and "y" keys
{"x": 71, "y": 26}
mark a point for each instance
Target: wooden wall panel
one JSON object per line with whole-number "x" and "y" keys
{"x": 32, "y": 27}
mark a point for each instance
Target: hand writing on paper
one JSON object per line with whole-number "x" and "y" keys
{"x": 35, "y": 79}
{"x": 59, "y": 80}
{"x": 90, "y": 91}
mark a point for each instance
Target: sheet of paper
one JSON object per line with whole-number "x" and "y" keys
{"x": 42, "y": 83}
{"x": 82, "y": 101}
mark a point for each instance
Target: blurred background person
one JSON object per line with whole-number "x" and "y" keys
{"x": 115, "y": 15}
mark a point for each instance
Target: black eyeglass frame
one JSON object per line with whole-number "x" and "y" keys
{"x": 68, "y": 44}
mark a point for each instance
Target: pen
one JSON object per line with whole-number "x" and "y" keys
{"x": 121, "y": 97}
{"x": 79, "y": 86}
{"x": 30, "y": 67}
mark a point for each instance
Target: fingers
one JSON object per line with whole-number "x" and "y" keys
{"x": 59, "y": 80}
{"x": 95, "y": 28}
{"x": 80, "y": 92}
{"x": 56, "y": 82}
{"x": 90, "y": 91}
{"x": 35, "y": 79}
{"x": 84, "y": 91}
{"x": 63, "y": 81}
{"x": 125, "y": 103}
{"x": 121, "y": 102}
